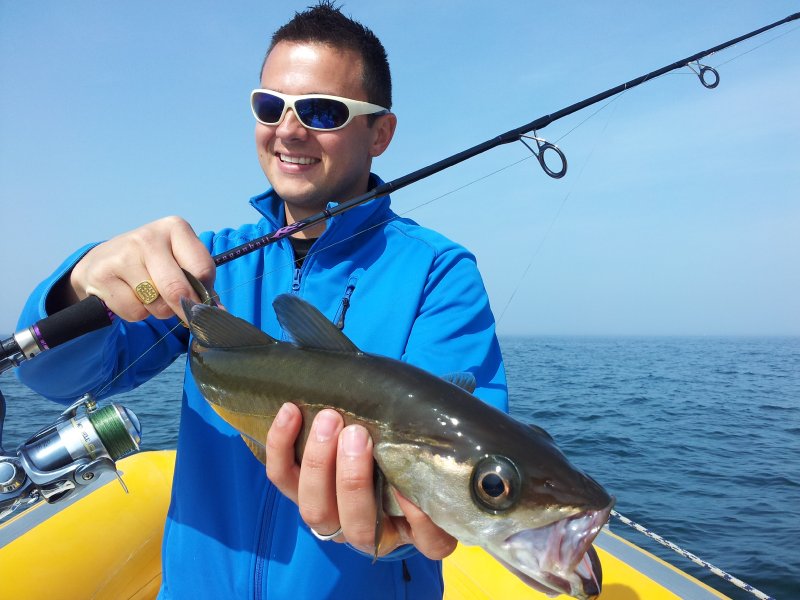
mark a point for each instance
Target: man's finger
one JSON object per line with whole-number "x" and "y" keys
{"x": 282, "y": 469}
{"x": 317, "y": 485}
{"x": 430, "y": 539}
{"x": 355, "y": 488}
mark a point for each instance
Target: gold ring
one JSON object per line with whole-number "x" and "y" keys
{"x": 146, "y": 292}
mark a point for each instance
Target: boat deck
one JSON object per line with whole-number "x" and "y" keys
{"x": 130, "y": 564}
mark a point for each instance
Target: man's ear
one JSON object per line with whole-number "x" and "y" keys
{"x": 383, "y": 132}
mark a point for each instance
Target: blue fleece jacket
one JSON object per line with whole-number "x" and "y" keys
{"x": 397, "y": 289}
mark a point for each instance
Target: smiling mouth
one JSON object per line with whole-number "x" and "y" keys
{"x": 296, "y": 160}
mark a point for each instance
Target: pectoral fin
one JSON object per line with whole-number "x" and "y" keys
{"x": 259, "y": 451}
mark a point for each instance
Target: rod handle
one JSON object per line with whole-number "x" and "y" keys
{"x": 67, "y": 324}
{"x": 78, "y": 319}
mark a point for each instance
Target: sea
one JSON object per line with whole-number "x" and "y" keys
{"x": 697, "y": 437}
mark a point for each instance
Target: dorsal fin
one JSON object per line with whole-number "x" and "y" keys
{"x": 215, "y": 328}
{"x": 538, "y": 429}
{"x": 308, "y": 327}
{"x": 463, "y": 379}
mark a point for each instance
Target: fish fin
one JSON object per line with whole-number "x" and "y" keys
{"x": 463, "y": 379}
{"x": 258, "y": 450}
{"x": 538, "y": 429}
{"x": 379, "y": 483}
{"x": 215, "y": 328}
{"x": 308, "y": 327}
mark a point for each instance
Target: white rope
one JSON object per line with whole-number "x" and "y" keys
{"x": 685, "y": 553}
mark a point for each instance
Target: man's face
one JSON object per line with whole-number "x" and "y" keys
{"x": 308, "y": 168}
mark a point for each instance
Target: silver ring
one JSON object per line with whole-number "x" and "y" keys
{"x": 326, "y": 538}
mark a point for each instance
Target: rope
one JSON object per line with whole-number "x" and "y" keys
{"x": 685, "y": 553}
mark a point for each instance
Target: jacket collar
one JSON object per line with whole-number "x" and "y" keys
{"x": 271, "y": 207}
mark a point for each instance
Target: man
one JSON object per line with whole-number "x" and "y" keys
{"x": 395, "y": 288}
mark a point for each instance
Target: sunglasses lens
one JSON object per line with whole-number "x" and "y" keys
{"x": 322, "y": 113}
{"x": 268, "y": 108}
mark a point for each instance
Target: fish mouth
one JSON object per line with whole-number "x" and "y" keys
{"x": 559, "y": 558}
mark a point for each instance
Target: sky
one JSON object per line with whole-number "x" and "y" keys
{"x": 679, "y": 214}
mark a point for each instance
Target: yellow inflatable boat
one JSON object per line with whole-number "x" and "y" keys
{"x": 46, "y": 552}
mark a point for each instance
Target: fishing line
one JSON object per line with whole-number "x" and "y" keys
{"x": 418, "y": 206}
{"x": 508, "y": 137}
{"x": 614, "y": 99}
{"x": 404, "y": 213}
{"x": 544, "y": 238}
{"x": 399, "y": 215}
{"x": 216, "y": 295}
{"x": 648, "y": 78}
{"x": 514, "y": 135}
{"x": 138, "y": 358}
{"x": 91, "y": 313}
{"x": 546, "y": 235}
{"x": 769, "y": 41}
{"x": 448, "y": 193}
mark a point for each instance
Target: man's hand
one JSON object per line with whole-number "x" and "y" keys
{"x": 155, "y": 253}
{"x": 333, "y": 486}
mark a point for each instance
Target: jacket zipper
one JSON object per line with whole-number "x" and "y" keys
{"x": 264, "y": 542}
{"x": 406, "y": 572}
{"x": 264, "y": 545}
{"x": 264, "y": 537}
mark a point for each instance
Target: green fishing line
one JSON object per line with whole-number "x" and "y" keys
{"x": 112, "y": 432}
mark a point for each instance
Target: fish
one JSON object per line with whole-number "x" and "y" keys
{"x": 478, "y": 473}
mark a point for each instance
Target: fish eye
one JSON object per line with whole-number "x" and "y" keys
{"x": 496, "y": 484}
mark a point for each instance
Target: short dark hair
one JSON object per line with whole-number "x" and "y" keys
{"x": 325, "y": 24}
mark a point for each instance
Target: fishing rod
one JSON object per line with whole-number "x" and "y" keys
{"x": 91, "y": 313}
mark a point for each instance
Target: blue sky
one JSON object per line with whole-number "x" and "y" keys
{"x": 680, "y": 213}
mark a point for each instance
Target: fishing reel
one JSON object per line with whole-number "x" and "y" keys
{"x": 66, "y": 456}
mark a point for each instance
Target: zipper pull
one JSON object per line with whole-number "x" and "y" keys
{"x": 296, "y": 281}
{"x": 345, "y": 305}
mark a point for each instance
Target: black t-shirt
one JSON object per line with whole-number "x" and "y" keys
{"x": 301, "y": 246}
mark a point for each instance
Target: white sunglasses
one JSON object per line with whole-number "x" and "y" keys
{"x": 315, "y": 111}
